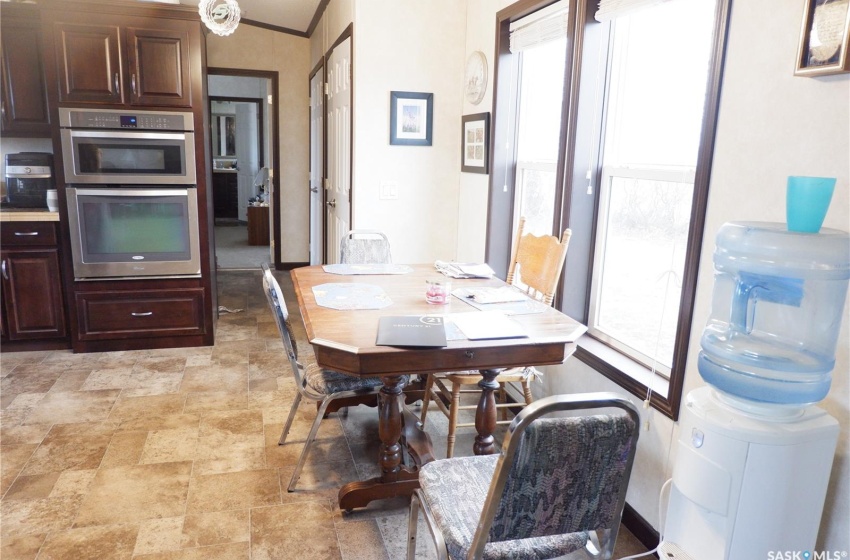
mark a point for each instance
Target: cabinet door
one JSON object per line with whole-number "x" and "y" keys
{"x": 32, "y": 295}
{"x": 88, "y": 59}
{"x": 24, "y": 95}
{"x": 159, "y": 67}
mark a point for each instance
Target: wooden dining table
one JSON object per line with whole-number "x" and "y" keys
{"x": 345, "y": 340}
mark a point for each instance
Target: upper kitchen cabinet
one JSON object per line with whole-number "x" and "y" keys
{"x": 120, "y": 59}
{"x": 23, "y": 101}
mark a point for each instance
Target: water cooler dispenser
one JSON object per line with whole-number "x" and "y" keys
{"x": 755, "y": 454}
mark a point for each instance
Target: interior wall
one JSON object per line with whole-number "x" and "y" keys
{"x": 403, "y": 46}
{"x": 254, "y": 48}
{"x": 408, "y": 45}
{"x": 473, "y": 191}
{"x": 338, "y": 15}
{"x": 768, "y": 128}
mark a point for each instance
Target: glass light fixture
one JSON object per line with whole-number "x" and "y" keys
{"x": 221, "y": 19}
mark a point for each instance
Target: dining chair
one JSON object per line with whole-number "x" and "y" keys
{"x": 365, "y": 246}
{"x": 314, "y": 383}
{"x": 558, "y": 485}
{"x": 535, "y": 267}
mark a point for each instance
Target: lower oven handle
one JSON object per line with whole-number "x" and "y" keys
{"x": 145, "y": 314}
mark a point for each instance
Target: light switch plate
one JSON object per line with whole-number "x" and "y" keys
{"x": 389, "y": 190}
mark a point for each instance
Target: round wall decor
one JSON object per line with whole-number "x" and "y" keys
{"x": 476, "y": 77}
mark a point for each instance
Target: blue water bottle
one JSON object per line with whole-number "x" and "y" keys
{"x": 776, "y": 312}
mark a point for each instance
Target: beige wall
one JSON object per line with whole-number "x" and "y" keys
{"x": 254, "y": 48}
{"x": 338, "y": 15}
{"x": 403, "y": 45}
{"x": 408, "y": 45}
{"x": 771, "y": 125}
{"x": 473, "y": 192}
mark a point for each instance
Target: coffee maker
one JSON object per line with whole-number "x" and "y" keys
{"x": 29, "y": 175}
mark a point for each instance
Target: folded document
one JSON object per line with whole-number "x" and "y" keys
{"x": 464, "y": 270}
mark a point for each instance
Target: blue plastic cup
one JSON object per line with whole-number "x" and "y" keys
{"x": 807, "y": 200}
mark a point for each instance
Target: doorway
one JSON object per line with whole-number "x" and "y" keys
{"x": 243, "y": 166}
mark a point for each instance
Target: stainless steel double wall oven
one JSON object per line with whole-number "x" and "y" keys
{"x": 131, "y": 192}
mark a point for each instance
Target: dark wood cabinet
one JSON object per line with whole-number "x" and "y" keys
{"x": 225, "y": 195}
{"x": 23, "y": 101}
{"x": 258, "y": 225}
{"x": 120, "y": 314}
{"x": 142, "y": 61}
{"x": 32, "y": 303}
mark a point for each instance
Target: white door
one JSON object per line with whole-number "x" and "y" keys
{"x": 338, "y": 186}
{"x": 317, "y": 207}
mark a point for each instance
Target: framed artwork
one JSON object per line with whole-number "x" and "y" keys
{"x": 411, "y": 118}
{"x": 824, "y": 38}
{"x": 475, "y": 143}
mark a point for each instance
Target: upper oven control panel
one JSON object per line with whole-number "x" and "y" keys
{"x": 126, "y": 120}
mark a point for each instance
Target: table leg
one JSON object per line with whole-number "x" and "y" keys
{"x": 395, "y": 479}
{"x": 485, "y": 414}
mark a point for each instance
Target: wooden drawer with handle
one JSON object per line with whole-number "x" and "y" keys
{"x": 28, "y": 234}
{"x": 115, "y": 314}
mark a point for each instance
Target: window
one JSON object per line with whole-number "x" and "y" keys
{"x": 649, "y": 156}
{"x": 629, "y": 174}
{"x": 541, "y": 90}
{"x": 540, "y": 42}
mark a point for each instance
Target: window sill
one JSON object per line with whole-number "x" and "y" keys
{"x": 629, "y": 374}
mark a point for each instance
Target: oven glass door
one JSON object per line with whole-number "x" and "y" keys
{"x": 131, "y": 232}
{"x": 117, "y": 157}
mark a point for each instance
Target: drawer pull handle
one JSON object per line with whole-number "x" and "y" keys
{"x": 146, "y": 314}
{"x": 25, "y": 233}
{"x": 5, "y": 273}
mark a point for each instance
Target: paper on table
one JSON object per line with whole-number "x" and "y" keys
{"x": 464, "y": 270}
{"x": 503, "y": 294}
{"x": 481, "y": 325}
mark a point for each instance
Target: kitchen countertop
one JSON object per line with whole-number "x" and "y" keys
{"x": 223, "y": 170}
{"x": 28, "y": 215}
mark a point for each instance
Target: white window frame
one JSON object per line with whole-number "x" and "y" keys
{"x": 671, "y": 175}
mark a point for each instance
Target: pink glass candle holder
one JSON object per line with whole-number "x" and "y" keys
{"x": 438, "y": 292}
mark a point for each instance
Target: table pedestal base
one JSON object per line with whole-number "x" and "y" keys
{"x": 397, "y": 427}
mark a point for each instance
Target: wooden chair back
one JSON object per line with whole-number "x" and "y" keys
{"x": 537, "y": 262}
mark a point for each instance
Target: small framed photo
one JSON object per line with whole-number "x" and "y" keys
{"x": 824, "y": 38}
{"x": 475, "y": 143}
{"x": 411, "y": 118}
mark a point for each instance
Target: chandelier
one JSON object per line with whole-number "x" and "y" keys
{"x": 221, "y": 19}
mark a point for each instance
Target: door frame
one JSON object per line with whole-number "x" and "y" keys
{"x": 347, "y": 33}
{"x": 272, "y": 76}
{"x": 320, "y": 67}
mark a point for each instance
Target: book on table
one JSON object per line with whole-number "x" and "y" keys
{"x": 411, "y": 330}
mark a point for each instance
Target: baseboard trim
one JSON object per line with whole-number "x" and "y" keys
{"x": 640, "y": 528}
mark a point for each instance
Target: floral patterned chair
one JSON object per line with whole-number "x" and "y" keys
{"x": 558, "y": 486}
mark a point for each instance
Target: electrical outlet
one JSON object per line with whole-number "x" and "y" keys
{"x": 389, "y": 190}
{"x": 671, "y": 551}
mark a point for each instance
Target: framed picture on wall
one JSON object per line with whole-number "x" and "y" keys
{"x": 824, "y": 38}
{"x": 411, "y": 118}
{"x": 475, "y": 143}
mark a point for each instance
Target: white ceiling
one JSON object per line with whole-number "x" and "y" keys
{"x": 291, "y": 14}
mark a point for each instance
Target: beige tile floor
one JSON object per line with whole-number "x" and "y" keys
{"x": 172, "y": 454}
